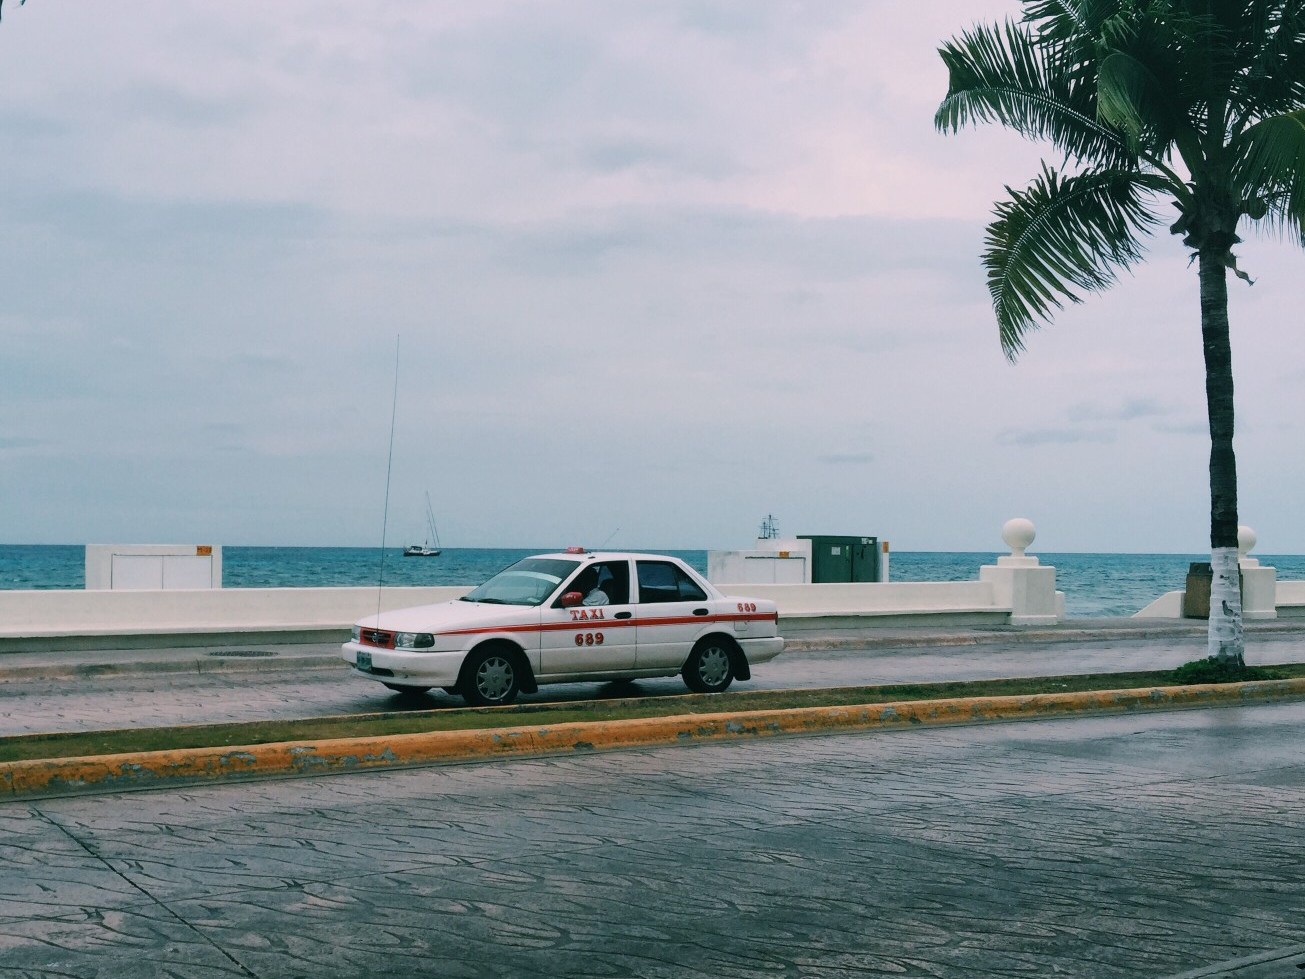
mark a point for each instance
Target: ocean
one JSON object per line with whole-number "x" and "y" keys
{"x": 1094, "y": 584}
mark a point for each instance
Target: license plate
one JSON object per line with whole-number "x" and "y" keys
{"x": 364, "y": 661}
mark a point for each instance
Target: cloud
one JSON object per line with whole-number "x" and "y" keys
{"x": 1184, "y": 428}
{"x": 29, "y": 129}
{"x": 1127, "y": 411}
{"x": 819, "y": 249}
{"x": 615, "y": 155}
{"x": 739, "y": 20}
{"x": 147, "y": 224}
{"x": 847, "y": 458}
{"x": 1112, "y": 413}
{"x": 259, "y": 362}
{"x": 171, "y": 106}
{"x": 18, "y": 442}
{"x": 1031, "y": 437}
{"x": 665, "y": 245}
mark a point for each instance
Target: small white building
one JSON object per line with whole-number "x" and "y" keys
{"x": 774, "y": 561}
{"x": 153, "y": 567}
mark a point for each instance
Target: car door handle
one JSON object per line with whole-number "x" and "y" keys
{"x": 622, "y": 615}
{"x": 699, "y": 611}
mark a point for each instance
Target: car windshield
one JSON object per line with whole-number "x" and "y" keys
{"x": 527, "y": 582}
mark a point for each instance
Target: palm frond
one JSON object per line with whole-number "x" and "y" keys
{"x": 1000, "y": 74}
{"x": 1068, "y": 30}
{"x": 1068, "y": 22}
{"x": 1143, "y": 84}
{"x": 1058, "y": 235}
{"x": 1270, "y": 172}
{"x": 1131, "y": 97}
{"x": 1268, "y": 46}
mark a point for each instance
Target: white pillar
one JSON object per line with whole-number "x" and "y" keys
{"x": 1259, "y": 584}
{"x": 1019, "y": 582}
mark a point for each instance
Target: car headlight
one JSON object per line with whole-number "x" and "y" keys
{"x": 356, "y": 633}
{"x": 413, "y": 640}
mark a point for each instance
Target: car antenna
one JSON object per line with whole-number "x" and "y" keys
{"x": 389, "y": 464}
{"x": 609, "y": 538}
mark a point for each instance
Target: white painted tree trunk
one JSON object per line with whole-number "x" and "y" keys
{"x": 1225, "y": 638}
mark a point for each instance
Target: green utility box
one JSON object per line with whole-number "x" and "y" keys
{"x": 836, "y": 559}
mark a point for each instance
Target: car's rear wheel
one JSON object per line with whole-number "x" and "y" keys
{"x": 490, "y": 678}
{"x": 708, "y": 668}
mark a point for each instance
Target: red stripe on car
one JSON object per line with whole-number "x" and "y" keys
{"x": 620, "y": 623}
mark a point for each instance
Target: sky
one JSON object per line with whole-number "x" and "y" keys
{"x": 645, "y": 273}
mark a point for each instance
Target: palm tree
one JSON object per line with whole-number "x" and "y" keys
{"x": 1195, "y": 102}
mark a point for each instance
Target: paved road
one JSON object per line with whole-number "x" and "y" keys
{"x": 155, "y": 699}
{"x": 1136, "y": 846}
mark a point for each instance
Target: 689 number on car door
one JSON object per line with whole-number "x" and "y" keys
{"x": 598, "y": 634}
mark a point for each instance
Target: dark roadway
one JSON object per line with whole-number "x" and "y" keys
{"x": 1114, "y": 847}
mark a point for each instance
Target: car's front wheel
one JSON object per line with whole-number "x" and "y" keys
{"x": 490, "y": 678}
{"x": 708, "y": 668}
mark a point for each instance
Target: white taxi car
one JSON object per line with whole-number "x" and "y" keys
{"x": 568, "y": 617}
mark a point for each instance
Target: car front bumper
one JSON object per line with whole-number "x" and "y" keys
{"x": 406, "y": 667}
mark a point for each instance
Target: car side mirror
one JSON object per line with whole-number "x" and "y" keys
{"x": 571, "y": 599}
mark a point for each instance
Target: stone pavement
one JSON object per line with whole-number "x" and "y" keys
{"x": 1277, "y": 964}
{"x": 1114, "y": 847}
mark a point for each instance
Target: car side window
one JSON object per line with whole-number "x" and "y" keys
{"x": 662, "y": 582}
{"x": 614, "y": 582}
{"x": 606, "y": 583}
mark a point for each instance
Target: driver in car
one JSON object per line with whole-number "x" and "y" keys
{"x": 587, "y": 585}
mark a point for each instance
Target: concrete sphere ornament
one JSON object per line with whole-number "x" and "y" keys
{"x": 1018, "y": 533}
{"x": 1245, "y": 540}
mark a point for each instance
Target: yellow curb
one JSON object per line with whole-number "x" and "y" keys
{"x": 161, "y": 768}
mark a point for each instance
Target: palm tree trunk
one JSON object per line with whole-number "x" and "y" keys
{"x": 1226, "y": 640}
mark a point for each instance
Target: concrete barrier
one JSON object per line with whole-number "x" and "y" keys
{"x": 67, "y": 619}
{"x": 1263, "y": 595}
{"x": 1290, "y": 599}
{"x": 1017, "y": 590}
{"x": 1288, "y": 603}
{"x": 832, "y": 607}
{"x": 63, "y": 619}
{"x": 1167, "y": 606}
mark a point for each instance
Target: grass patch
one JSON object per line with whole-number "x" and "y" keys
{"x": 1219, "y": 671}
{"x": 91, "y": 743}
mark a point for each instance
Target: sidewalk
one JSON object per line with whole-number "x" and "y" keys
{"x": 230, "y": 654}
{"x": 1070, "y": 630}
{"x": 221, "y": 658}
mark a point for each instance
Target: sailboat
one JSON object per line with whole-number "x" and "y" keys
{"x": 425, "y": 550}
